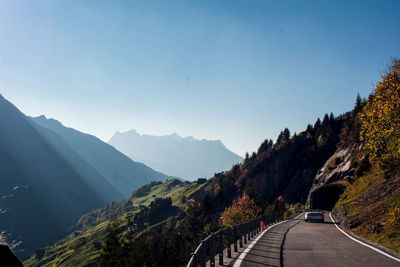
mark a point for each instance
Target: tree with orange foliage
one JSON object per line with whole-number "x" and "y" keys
{"x": 242, "y": 210}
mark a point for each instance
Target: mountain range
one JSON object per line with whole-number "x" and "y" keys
{"x": 120, "y": 173}
{"x": 188, "y": 158}
{"x": 51, "y": 175}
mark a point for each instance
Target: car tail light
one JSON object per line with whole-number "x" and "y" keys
{"x": 307, "y": 214}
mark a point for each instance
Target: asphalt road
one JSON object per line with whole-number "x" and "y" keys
{"x": 297, "y": 243}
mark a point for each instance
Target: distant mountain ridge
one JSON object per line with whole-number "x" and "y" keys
{"x": 184, "y": 157}
{"x": 116, "y": 168}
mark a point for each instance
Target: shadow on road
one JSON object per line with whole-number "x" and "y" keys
{"x": 260, "y": 263}
{"x": 283, "y": 243}
{"x": 262, "y": 256}
{"x": 268, "y": 250}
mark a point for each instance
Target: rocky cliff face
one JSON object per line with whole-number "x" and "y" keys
{"x": 328, "y": 184}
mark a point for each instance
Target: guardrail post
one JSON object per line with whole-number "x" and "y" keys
{"x": 212, "y": 250}
{"x": 221, "y": 248}
{"x": 248, "y": 231}
{"x": 258, "y": 226}
{"x": 235, "y": 239}
{"x": 229, "y": 243}
{"x": 245, "y": 233}
{"x": 203, "y": 257}
{"x": 240, "y": 235}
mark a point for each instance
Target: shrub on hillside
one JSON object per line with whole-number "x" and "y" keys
{"x": 392, "y": 225}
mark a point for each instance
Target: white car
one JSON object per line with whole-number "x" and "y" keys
{"x": 314, "y": 216}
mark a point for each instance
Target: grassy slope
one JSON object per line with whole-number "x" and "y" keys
{"x": 368, "y": 203}
{"x": 83, "y": 248}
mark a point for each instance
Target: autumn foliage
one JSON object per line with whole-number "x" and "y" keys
{"x": 380, "y": 121}
{"x": 393, "y": 223}
{"x": 242, "y": 210}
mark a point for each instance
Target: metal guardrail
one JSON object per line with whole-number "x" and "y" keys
{"x": 235, "y": 235}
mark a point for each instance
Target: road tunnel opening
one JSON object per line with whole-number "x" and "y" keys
{"x": 325, "y": 197}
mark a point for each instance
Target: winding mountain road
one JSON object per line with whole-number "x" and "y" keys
{"x": 297, "y": 243}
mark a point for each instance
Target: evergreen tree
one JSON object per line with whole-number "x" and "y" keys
{"x": 270, "y": 144}
{"x": 310, "y": 128}
{"x": 325, "y": 120}
{"x": 286, "y": 135}
{"x": 358, "y": 104}
{"x": 279, "y": 140}
{"x": 317, "y": 124}
{"x": 283, "y": 137}
{"x": 263, "y": 146}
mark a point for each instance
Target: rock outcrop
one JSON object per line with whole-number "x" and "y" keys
{"x": 326, "y": 188}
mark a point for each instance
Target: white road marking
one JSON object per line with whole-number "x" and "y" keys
{"x": 239, "y": 261}
{"x": 362, "y": 243}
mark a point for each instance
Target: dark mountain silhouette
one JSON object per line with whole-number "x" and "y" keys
{"x": 51, "y": 175}
{"x": 102, "y": 186}
{"x": 40, "y": 192}
{"x": 117, "y": 170}
{"x": 187, "y": 158}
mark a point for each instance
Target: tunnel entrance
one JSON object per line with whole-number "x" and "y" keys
{"x": 325, "y": 197}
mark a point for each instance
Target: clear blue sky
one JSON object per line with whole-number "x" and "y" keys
{"x": 238, "y": 71}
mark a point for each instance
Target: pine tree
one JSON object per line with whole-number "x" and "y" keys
{"x": 310, "y": 128}
{"x": 317, "y": 124}
{"x": 325, "y": 120}
{"x": 279, "y": 140}
{"x": 263, "y": 146}
{"x": 358, "y": 104}
{"x": 270, "y": 144}
{"x": 286, "y": 135}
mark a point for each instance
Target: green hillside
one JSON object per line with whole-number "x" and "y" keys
{"x": 82, "y": 246}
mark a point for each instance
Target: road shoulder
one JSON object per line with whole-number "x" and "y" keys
{"x": 374, "y": 246}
